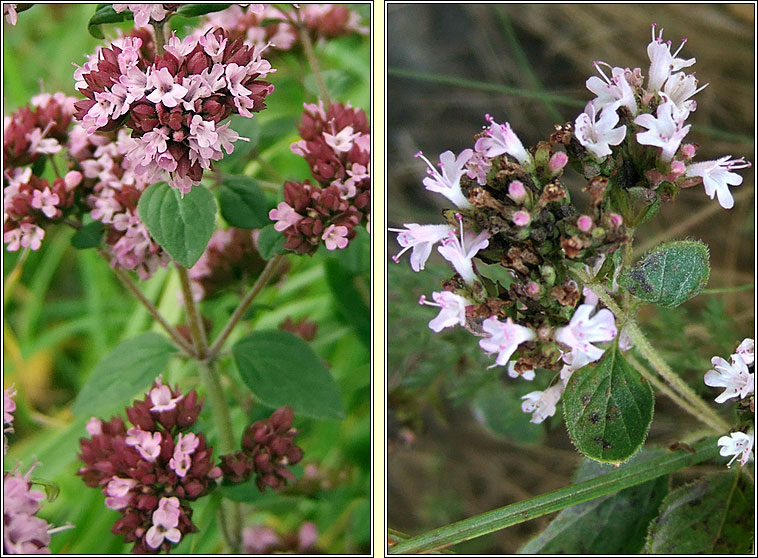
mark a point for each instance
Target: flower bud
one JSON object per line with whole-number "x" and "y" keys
{"x": 521, "y": 218}
{"x": 584, "y": 223}
{"x": 516, "y": 191}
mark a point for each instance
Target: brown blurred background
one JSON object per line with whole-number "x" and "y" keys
{"x": 454, "y": 468}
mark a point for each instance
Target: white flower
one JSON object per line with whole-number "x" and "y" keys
{"x": 735, "y": 444}
{"x": 343, "y": 141}
{"x": 746, "y": 350}
{"x": 448, "y": 183}
{"x": 597, "y": 135}
{"x": 717, "y": 177}
{"x": 734, "y": 377}
{"x": 610, "y": 90}
{"x": 679, "y": 88}
{"x": 420, "y": 238}
{"x": 527, "y": 374}
{"x": 542, "y": 403}
{"x": 453, "y": 310}
{"x": 499, "y": 139}
{"x": 662, "y": 62}
{"x": 665, "y": 130}
{"x": 457, "y": 253}
{"x": 504, "y": 339}
{"x": 160, "y": 396}
{"x": 582, "y": 331}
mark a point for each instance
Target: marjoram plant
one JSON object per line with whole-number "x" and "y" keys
{"x": 137, "y": 164}
{"x": 566, "y": 310}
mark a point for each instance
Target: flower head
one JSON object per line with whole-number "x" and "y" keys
{"x": 613, "y": 89}
{"x": 504, "y": 338}
{"x": 582, "y": 331}
{"x": 542, "y": 403}
{"x": 663, "y": 62}
{"x": 735, "y": 377}
{"x": 665, "y": 130}
{"x": 717, "y": 177}
{"x": 736, "y": 444}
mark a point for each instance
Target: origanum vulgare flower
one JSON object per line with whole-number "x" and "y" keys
{"x": 268, "y": 449}
{"x": 152, "y": 471}
{"x": 174, "y": 103}
{"x": 337, "y": 145}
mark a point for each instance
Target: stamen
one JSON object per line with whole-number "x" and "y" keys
{"x": 599, "y": 71}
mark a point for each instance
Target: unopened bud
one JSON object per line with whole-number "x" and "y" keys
{"x": 521, "y": 218}
{"x": 516, "y": 191}
{"x": 584, "y": 223}
{"x": 557, "y": 162}
{"x": 532, "y": 289}
{"x": 615, "y": 220}
{"x": 688, "y": 151}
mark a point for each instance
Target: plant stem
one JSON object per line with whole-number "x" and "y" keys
{"x": 197, "y": 329}
{"x": 557, "y": 500}
{"x": 160, "y": 36}
{"x": 263, "y": 279}
{"x": 310, "y": 55}
{"x": 135, "y": 290}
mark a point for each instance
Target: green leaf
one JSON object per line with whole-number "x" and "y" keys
{"x": 103, "y": 14}
{"x": 89, "y": 236}
{"x": 194, "y": 10}
{"x": 713, "y": 515}
{"x": 498, "y": 408}
{"x": 608, "y": 408}
{"x": 495, "y": 273}
{"x": 669, "y": 274}
{"x": 270, "y": 242}
{"x": 182, "y": 226}
{"x": 612, "y": 524}
{"x": 243, "y": 203}
{"x": 282, "y": 369}
{"x": 351, "y": 293}
{"x": 126, "y": 370}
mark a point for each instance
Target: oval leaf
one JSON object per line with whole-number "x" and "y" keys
{"x": 243, "y": 203}
{"x": 270, "y": 242}
{"x": 182, "y": 226}
{"x": 612, "y": 524}
{"x": 194, "y": 10}
{"x": 103, "y": 14}
{"x": 608, "y": 408}
{"x": 126, "y": 370}
{"x": 713, "y": 515}
{"x": 282, "y": 369}
{"x": 669, "y": 274}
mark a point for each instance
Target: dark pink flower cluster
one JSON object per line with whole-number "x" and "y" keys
{"x": 337, "y": 145}
{"x": 173, "y": 104}
{"x": 151, "y": 471}
{"x": 323, "y": 21}
{"x": 113, "y": 194}
{"x": 231, "y": 255}
{"x": 268, "y": 449}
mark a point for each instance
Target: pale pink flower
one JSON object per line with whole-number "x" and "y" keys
{"x": 94, "y": 426}
{"x": 542, "y": 403}
{"x": 477, "y": 168}
{"x": 461, "y": 251}
{"x": 148, "y": 444}
{"x": 582, "y": 331}
{"x": 335, "y": 237}
{"x": 717, "y": 177}
{"x": 161, "y": 398}
{"x": 31, "y": 236}
{"x": 143, "y": 13}
{"x": 212, "y": 46}
{"x": 500, "y": 139}
{"x": 45, "y": 200}
{"x": 203, "y": 131}
{"x": 117, "y": 492}
{"x": 448, "y": 182}
{"x": 39, "y": 144}
{"x": 746, "y": 350}
{"x": 166, "y": 90}
{"x": 165, "y": 521}
{"x": 679, "y": 88}
{"x": 235, "y": 75}
{"x": 9, "y": 11}
{"x": 528, "y": 375}
{"x": 186, "y": 443}
{"x": 341, "y": 142}
{"x": 735, "y": 444}
{"x": 284, "y": 216}
{"x": 610, "y": 90}
{"x": 598, "y": 134}
{"x": 420, "y": 238}
{"x": 734, "y": 377}
{"x": 665, "y": 130}
{"x": 663, "y": 62}
{"x": 504, "y": 338}
{"x": 452, "y": 310}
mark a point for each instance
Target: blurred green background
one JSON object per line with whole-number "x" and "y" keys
{"x": 459, "y": 444}
{"x": 64, "y": 310}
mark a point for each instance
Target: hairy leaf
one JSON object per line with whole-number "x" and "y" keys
{"x": 181, "y": 225}
{"x": 282, "y": 369}
{"x": 242, "y": 202}
{"x": 713, "y": 515}
{"x": 669, "y": 274}
{"x": 612, "y": 524}
{"x": 130, "y": 367}
{"x": 608, "y": 408}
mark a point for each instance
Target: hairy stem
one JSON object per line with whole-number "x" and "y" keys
{"x": 159, "y": 28}
{"x": 562, "y": 498}
{"x": 135, "y": 290}
{"x": 197, "y": 329}
{"x": 265, "y": 276}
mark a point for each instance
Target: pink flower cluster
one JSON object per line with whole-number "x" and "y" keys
{"x": 258, "y": 539}
{"x": 231, "y": 255}
{"x": 322, "y": 21}
{"x": 337, "y": 145}
{"x": 268, "y": 449}
{"x": 113, "y": 193}
{"x": 173, "y": 104}
{"x": 143, "y": 13}
{"x": 151, "y": 471}
{"x": 23, "y": 531}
